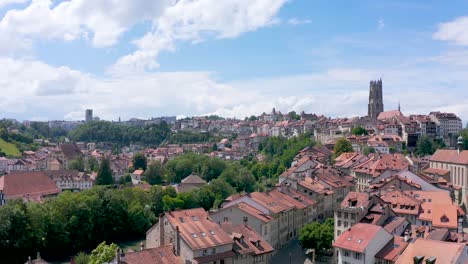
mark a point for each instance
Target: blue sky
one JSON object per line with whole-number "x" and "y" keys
{"x": 233, "y": 58}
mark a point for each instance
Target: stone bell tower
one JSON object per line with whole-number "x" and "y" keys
{"x": 375, "y": 106}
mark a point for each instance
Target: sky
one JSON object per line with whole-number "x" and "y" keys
{"x": 234, "y": 58}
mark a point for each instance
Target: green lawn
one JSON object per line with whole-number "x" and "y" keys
{"x": 9, "y": 149}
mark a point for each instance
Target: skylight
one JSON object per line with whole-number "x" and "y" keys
{"x": 194, "y": 235}
{"x": 359, "y": 241}
{"x": 349, "y": 238}
{"x": 212, "y": 232}
{"x": 203, "y": 234}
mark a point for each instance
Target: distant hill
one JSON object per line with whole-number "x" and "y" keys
{"x": 9, "y": 149}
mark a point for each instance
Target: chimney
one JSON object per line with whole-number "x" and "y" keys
{"x": 177, "y": 241}
{"x": 407, "y": 237}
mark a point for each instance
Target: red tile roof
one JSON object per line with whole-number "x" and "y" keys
{"x": 160, "y": 255}
{"x": 450, "y": 156}
{"x": 272, "y": 204}
{"x": 358, "y": 237}
{"x": 254, "y": 212}
{"x": 197, "y": 229}
{"x": 444, "y": 252}
{"x": 356, "y": 199}
{"x": 393, "y": 249}
{"x": 27, "y": 184}
{"x": 247, "y": 240}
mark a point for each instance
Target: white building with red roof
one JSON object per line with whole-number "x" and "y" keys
{"x": 361, "y": 243}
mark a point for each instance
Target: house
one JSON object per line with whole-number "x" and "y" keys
{"x": 427, "y": 251}
{"x": 249, "y": 246}
{"x": 137, "y": 176}
{"x": 72, "y": 180}
{"x": 197, "y": 239}
{"x": 243, "y": 213}
{"x": 29, "y": 186}
{"x": 456, "y": 162}
{"x": 189, "y": 183}
{"x": 160, "y": 255}
{"x": 376, "y": 165}
{"x": 392, "y": 251}
{"x": 64, "y": 154}
{"x": 361, "y": 243}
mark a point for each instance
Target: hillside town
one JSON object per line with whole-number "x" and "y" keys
{"x": 384, "y": 198}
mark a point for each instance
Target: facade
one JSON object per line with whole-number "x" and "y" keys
{"x": 448, "y": 126}
{"x": 375, "y": 106}
{"x": 456, "y": 162}
{"x": 71, "y": 180}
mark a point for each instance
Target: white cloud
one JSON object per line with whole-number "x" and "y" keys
{"x": 455, "y": 31}
{"x": 70, "y": 20}
{"x": 380, "y": 24}
{"x": 195, "y": 21}
{"x": 297, "y": 22}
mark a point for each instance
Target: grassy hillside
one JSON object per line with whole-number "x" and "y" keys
{"x": 9, "y": 148}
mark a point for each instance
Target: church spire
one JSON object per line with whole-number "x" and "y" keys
{"x": 399, "y": 107}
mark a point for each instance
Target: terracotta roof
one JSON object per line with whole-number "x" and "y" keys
{"x": 393, "y": 223}
{"x": 450, "y": 156}
{"x": 193, "y": 179}
{"x": 247, "y": 240}
{"x": 71, "y": 151}
{"x": 272, "y": 204}
{"x": 197, "y": 229}
{"x": 440, "y": 172}
{"x": 358, "y": 237}
{"x": 27, "y": 184}
{"x": 402, "y": 203}
{"x": 138, "y": 172}
{"x": 444, "y": 252}
{"x": 356, "y": 199}
{"x": 161, "y": 255}
{"x": 254, "y": 212}
{"x": 381, "y": 162}
{"x": 393, "y": 249}
{"x": 389, "y": 114}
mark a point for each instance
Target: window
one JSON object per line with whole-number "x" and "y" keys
{"x": 213, "y": 251}
{"x": 346, "y": 215}
{"x": 195, "y": 218}
{"x": 338, "y": 214}
{"x": 339, "y": 223}
{"x": 204, "y": 253}
{"x": 345, "y": 224}
{"x": 212, "y": 232}
{"x": 203, "y": 234}
{"x": 357, "y": 255}
{"x": 194, "y": 235}
{"x": 346, "y": 253}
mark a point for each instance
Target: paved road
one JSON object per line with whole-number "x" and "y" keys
{"x": 293, "y": 253}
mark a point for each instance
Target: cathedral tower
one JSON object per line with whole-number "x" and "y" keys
{"x": 375, "y": 99}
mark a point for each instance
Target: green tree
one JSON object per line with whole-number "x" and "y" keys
{"x": 155, "y": 173}
{"x": 359, "y": 131}
{"x": 238, "y": 177}
{"x": 103, "y": 253}
{"x": 342, "y": 145}
{"x": 104, "y": 175}
{"x": 139, "y": 161}
{"x": 425, "y": 146}
{"x": 317, "y": 236}
{"x": 92, "y": 164}
{"x": 367, "y": 150}
{"x": 81, "y": 258}
{"x": 294, "y": 116}
{"x": 77, "y": 164}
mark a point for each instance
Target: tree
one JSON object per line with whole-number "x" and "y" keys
{"x": 425, "y": 146}
{"x": 359, "y": 131}
{"x": 155, "y": 173}
{"x": 139, "y": 161}
{"x": 81, "y": 258}
{"x": 92, "y": 164}
{"x": 342, "y": 145}
{"x": 103, "y": 253}
{"x": 77, "y": 164}
{"x": 368, "y": 150}
{"x": 294, "y": 116}
{"x": 317, "y": 236}
{"x": 104, "y": 175}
